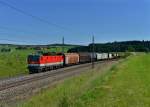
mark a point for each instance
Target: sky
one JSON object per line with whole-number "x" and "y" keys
{"x": 75, "y": 20}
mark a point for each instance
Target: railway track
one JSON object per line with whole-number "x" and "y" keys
{"x": 13, "y": 89}
{"x": 39, "y": 77}
{"x": 36, "y": 77}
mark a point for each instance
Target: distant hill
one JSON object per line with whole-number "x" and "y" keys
{"x": 123, "y": 46}
{"x": 15, "y": 45}
{"x": 49, "y": 47}
{"x": 63, "y": 45}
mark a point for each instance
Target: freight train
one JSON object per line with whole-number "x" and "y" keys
{"x": 47, "y": 61}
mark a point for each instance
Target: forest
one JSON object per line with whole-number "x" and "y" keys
{"x": 124, "y": 46}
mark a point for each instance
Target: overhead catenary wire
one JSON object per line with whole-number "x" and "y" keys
{"x": 31, "y": 15}
{"x": 14, "y": 41}
{"x": 16, "y": 30}
{"x": 12, "y": 6}
{"x": 21, "y": 32}
{"x": 21, "y": 42}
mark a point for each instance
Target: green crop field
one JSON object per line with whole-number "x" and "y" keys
{"x": 14, "y": 63}
{"x": 124, "y": 85}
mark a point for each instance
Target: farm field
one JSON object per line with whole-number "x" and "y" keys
{"x": 15, "y": 62}
{"x": 124, "y": 85}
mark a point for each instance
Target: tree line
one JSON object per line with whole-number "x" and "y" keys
{"x": 125, "y": 46}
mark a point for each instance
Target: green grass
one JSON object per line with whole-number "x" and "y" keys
{"x": 64, "y": 94}
{"x": 124, "y": 85}
{"x": 15, "y": 62}
{"x": 59, "y": 48}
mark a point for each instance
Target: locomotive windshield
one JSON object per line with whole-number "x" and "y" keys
{"x": 33, "y": 58}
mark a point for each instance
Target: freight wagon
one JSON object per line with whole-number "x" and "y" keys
{"x": 93, "y": 56}
{"x": 104, "y": 56}
{"x": 47, "y": 61}
{"x": 114, "y": 55}
{"x": 110, "y": 56}
{"x": 99, "y": 56}
{"x": 71, "y": 58}
{"x": 84, "y": 57}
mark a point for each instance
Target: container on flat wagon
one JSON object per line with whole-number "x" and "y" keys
{"x": 110, "y": 55}
{"x": 117, "y": 54}
{"x": 71, "y": 58}
{"x": 114, "y": 55}
{"x": 99, "y": 56}
{"x": 104, "y": 55}
{"x": 93, "y": 56}
{"x": 84, "y": 57}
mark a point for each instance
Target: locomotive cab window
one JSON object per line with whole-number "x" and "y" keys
{"x": 33, "y": 58}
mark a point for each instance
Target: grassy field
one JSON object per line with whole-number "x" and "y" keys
{"x": 15, "y": 62}
{"x": 124, "y": 85}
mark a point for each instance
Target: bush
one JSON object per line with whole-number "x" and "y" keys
{"x": 5, "y": 50}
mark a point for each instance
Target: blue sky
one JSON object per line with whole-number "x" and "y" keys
{"x": 108, "y": 20}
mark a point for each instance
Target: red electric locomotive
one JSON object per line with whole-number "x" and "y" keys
{"x": 44, "y": 62}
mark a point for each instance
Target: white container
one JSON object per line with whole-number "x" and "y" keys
{"x": 110, "y": 55}
{"x": 99, "y": 56}
{"x": 104, "y": 55}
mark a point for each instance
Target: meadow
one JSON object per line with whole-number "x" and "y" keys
{"x": 14, "y": 63}
{"x": 123, "y": 85}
